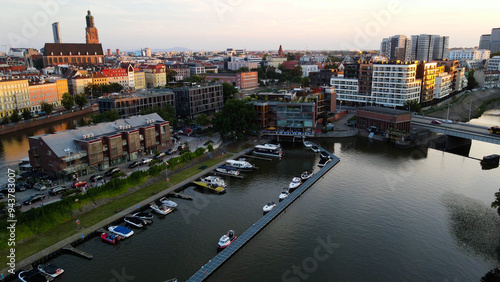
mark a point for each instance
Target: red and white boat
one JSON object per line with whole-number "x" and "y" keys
{"x": 226, "y": 240}
{"x": 110, "y": 238}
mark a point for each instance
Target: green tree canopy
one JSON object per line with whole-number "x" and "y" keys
{"x": 412, "y": 106}
{"x": 242, "y": 69}
{"x": 110, "y": 115}
{"x": 495, "y": 54}
{"x": 47, "y": 108}
{"x": 14, "y": 117}
{"x": 203, "y": 120}
{"x": 81, "y": 100}
{"x": 195, "y": 78}
{"x": 67, "y": 101}
{"x": 228, "y": 91}
{"x": 471, "y": 81}
{"x": 26, "y": 114}
{"x": 170, "y": 75}
{"x": 236, "y": 119}
{"x": 5, "y": 119}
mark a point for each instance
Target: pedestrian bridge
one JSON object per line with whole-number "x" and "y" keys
{"x": 460, "y": 130}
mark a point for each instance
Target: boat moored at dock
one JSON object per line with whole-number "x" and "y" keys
{"x": 121, "y": 231}
{"x": 226, "y": 240}
{"x": 284, "y": 194}
{"x": 110, "y": 238}
{"x": 241, "y": 164}
{"x": 167, "y": 202}
{"x": 269, "y": 207}
{"x": 296, "y": 181}
{"x": 227, "y": 170}
{"x": 306, "y": 175}
{"x": 162, "y": 209}
{"x": 50, "y": 270}
{"x": 271, "y": 150}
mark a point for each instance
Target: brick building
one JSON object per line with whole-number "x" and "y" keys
{"x": 383, "y": 118}
{"x": 243, "y": 80}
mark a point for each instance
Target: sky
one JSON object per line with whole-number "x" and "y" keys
{"x": 214, "y": 25}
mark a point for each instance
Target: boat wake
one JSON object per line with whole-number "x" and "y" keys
{"x": 474, "y": 225}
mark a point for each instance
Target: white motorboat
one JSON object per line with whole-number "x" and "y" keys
{"x": 323, "y": 162}
{"x": 214, "y": 181}
{"x": 122, "y": 231}
{"x": 306, "y": 175}
{"x": 226, "y": 240}
{"x": 50, "y": 270}
{"x": 168, "y": 203}
{"x": 163, "y": 210}
{"x": 271, "y": 150}
{"x": 307, "y": 144}
{"x": 241, "y": 165}
{"x": 296, "y": 181}
{"x": 227, "y": 170}
{"x": 136, "y": 221}
{"x": 269, "y": 207}
{"x": 285, "y": 193}
{"x": 143, "y": 215}
{"x": 324, "y": 155}
{"x": 32, "y": 275}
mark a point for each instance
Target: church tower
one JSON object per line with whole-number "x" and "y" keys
{"x": 91, "y": 31}
{"x": 280, "y": 52}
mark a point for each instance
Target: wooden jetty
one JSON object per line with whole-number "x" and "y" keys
{"x": 68, "y": 248}
{"x": 180, "y": 196}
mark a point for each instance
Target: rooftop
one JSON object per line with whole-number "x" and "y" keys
{"x": 385, "y": 111}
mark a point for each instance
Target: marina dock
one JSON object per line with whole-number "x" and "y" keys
{"x": 68, "y": 248}
{"x": 257, "y": 158}
{"x": 227, "y": 174}
{"x": 180, "y": 196}
{"x": 223, "y": 256}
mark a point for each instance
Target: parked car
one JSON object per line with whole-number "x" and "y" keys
{"x": 134, "y": 164}
{"x": 160, "y": 155}
{"x": 39, "y": 187}
{"x": 112, "y": 171}
{"x": 20, "y": 188}
{"x": 446, "y": 121}
{"x": 435, "y": 121}
{"x": 171, "y": 151}
{"x": 78, "y": 184}
{"x": 95, "y": 177}
{"x": 34, "y": 198}
{"x": 146, "y": 161}
{"x": 57, "y": 190}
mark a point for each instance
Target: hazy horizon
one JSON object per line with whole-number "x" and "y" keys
{"x": 214, "y": 25}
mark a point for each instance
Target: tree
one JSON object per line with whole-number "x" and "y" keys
{"x": 26, "y": 114}
{"x": 67, "y": 101}
{"x": 170, "y": 75}
{"x": 195, "y": 78}
{"x": 472, "y": 83}
{"x": 228, "y": 91}
{"x": 236, "y": 118}
{"x": 5, "y": 119}
{"x": 38, "y": 63}
{"x": 495, "y": 54}
{"x": 243, "y": 69}
{"x": 203, "y": 120}
{"x": 412, "y": 106}
{"x": 113, "y": 87}
{"x": 14, "y": 117}
{"x": 47, "y": 108}
{"x": 81, "y": 100}
{"x": 496, "y": 203}
{"x": 304, "y": 82}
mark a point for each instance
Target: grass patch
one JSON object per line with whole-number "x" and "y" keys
{"x": 69, "y": 228}
{"x": 484, "y": 106}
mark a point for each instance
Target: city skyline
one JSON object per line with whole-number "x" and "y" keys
{"x": 214, "y": 25}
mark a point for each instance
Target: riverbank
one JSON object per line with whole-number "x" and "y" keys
{"x": 9, "y": 128}
{"x": 48, "y": 243}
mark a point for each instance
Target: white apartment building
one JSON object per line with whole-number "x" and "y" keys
{"x": 443, "y": 85}
{"x": 394, "y": 84}
{"x": 347, "y": 89}
{"x": 494, "y": 64}
{"x": 469, "y": 54}
{"x": 306, "y": 69}
{"x": 235, "y": 65}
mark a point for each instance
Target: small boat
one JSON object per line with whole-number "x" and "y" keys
{"x": 32, "y": 275}
{"x": 306, "y": 175}
{"x": 163, "y": 210}
{"x": 110, "y": 238}
{"x": 307, "y": 144}
{"x": 50, "y": 270}
{"x": 269, "y": 207}
{"x": 296, "y": 181}
{"x": 143, "y": 215}
{"x": 323, "y": 162}
{"x": 324, "y": 155}
{"x": 227, "y": 170}
{"x": 285, "y": 193}
{"x": 168, "y": 203}
{"x": 214, "y": 187}
{"x": 214, "y": 180}
{"x": 134, "y": 221}
{"x": 226, "y": 240}
{"x": 241, "y": 165}
{"x": 315, "y": 149}
{"x": 122, "y": 231}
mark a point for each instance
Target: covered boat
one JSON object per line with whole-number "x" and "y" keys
{"x": 226, "y": 240}
{"x": 50, "y": 270}
{"x": 162, "y": 209}
{"x": 323, "y": 162}
{"x": 227, "y": 170}
{"x": 296, "y": 181}
{"x": 271, "y": 150}
{"x": 269, "y": 207}
{"x": 122, "y": 231}
{"x": 110, "y": 238}
{"x": 241, "y": 164}
{"x": 168, "y": 203}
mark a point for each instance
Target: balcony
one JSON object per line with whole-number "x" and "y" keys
{"x": 73, "y": 157}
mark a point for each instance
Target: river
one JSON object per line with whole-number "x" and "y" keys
{"x": 381, "y": 214}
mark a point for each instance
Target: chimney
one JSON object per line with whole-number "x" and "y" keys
{"x": 117, "y": 52}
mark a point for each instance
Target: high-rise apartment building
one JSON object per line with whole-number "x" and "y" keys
{"x": 484, "y": 41}
{"x": 395, "y": 83}
{"x": 426, "y": 47}
{"x": 56, "y": 32}
{"x": 495, "y": 40}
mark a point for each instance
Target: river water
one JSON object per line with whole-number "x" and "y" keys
{"x": 381, "y": 214}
